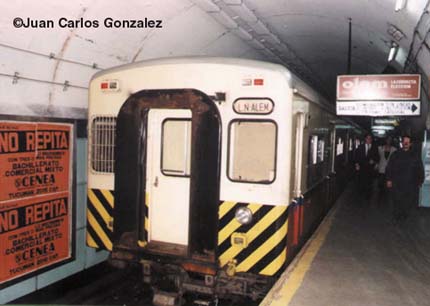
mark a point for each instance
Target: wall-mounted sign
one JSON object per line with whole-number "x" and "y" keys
{"x": 35, "y": 196}
{"x": 253, "y": 106}
{"x": 378, "y": 108}
{"x": 378, "y": 87}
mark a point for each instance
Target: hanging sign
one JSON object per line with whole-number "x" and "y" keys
{"x": 378, "y": 108}
{"x": 378, "y": 87}
{"x": 378, "y": 95}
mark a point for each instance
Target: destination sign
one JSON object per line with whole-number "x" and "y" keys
{"x": 253, "y": 106}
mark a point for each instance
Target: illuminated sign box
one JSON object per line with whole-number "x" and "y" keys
{"x": 378, "y": 95}
{"x": 378, "y": 108}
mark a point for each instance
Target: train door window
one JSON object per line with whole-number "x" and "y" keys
{"x": 102, "y": 144}
{"x": 252, "y": 151}
{"x": 316, "y": 149}
{"x": 313, "y": 153}
{"x": 176, "y": 147}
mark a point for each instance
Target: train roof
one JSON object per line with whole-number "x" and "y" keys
{"x": 300, "y": 87}
{"x": 228, "y": 61}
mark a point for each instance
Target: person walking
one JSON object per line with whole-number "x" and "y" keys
{"x": 385, "y": 151}
{"x": 366, "y": 159}
{"x": 404, "y": 175}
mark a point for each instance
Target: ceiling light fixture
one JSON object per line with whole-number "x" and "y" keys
{"x": 386, "y": 121}
{"x": 383, "y": 127}
{"x": 393, "y": 52}
{"x": 395, "y": 32}
{"x": 400, "y": 5}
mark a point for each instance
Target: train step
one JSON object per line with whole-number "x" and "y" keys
{"x": 201, "y": 302}
{"x": 163, "y": 298}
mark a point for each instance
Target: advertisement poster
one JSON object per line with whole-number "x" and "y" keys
{"x": 35, "y": 196}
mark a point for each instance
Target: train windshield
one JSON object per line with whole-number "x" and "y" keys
{"x": 252, "y": 149}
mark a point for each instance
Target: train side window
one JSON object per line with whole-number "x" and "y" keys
{"x": 176, "y": 147}
{"x": 357, "y": 142}
{"x": 102, "y": 144}
{"x": 313, "y": 149}
{"x": 316, "y": 149}
{"x": 339, "y": 146}
{"x": 252, "y": 151}
{"x": 321, "y": 146}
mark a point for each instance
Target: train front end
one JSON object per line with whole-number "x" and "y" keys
{"x": 189, "y": 172}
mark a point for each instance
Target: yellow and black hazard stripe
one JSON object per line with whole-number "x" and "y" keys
{"x": 266, "y": 238}
{"x": 143, "y": 239}
{"x": 99, "y": 218}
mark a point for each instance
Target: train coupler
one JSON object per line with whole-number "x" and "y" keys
{"x": 146, "y": 269}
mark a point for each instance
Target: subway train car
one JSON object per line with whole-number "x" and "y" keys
{"x": 210, "y": 172}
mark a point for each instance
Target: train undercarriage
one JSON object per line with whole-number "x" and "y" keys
{"x": 171, "y": 279}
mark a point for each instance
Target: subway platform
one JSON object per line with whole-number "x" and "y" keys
{"x": 360, "y": 256}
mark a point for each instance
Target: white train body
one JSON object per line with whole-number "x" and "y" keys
{"x": 271, "y": 140}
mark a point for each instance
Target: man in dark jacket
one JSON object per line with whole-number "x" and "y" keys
{"x": 366, "y": 159}
{"x": 405, "y": 175}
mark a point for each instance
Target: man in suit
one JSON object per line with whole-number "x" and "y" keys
{"x": 366, "y": 159}
{"x": 405, "y": 175}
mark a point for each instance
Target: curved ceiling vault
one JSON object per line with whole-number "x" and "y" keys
{"x": 45, "y": 71}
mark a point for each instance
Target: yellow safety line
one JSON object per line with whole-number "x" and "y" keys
{"x": 234, "y": 225}
{"x": 98, "y": 206}
{"x": 276, "y": 264}
{"x": 283, "y": 291}
{"x": 263, "y": 249}
{"x": 102, "y": 235}
{"x": 108, "y": 196}
{"x": 225, "y": 208}
{"x": 253, "y": 233}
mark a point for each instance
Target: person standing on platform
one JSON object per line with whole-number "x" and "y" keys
{"x": 385, "y": 151}
{"x": 405, "y": 175}
{"x": 366, "y": 159}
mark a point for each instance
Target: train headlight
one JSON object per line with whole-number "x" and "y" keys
{"x": 243, "y": 215}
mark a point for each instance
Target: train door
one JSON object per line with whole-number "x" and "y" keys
{"x": 168, "y": 175}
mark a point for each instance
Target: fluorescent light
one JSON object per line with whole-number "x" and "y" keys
{"x": 380, "y": 132}
{"x": 383, "y": 127}
{"x": 393, "y": 52}
{"x": 400, "y": 5}
{"x": 385, "y": 121}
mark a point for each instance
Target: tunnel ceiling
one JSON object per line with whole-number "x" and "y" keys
{"x": 45, "y": 71}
